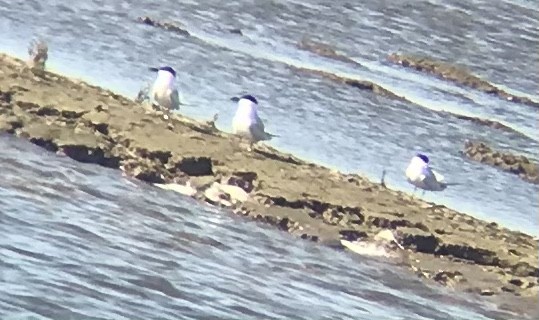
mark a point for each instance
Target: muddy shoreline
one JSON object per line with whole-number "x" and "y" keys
{"x": 94, "y": 125}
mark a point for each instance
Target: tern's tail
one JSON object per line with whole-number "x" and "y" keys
{"x": 452, "y": 183}
{"x": 269, "y": 136}
{"x": 444, "y": 185}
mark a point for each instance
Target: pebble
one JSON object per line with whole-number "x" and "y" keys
{"x": 486, "y": 292}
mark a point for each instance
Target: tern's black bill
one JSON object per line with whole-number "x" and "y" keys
{"x": 153, "y": 69}
{"x": 235, "y": 99}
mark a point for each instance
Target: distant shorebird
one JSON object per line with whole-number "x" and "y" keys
{"x": 163, "y": 91}
{"x": 422, "y": 176}
{"x": 38, "y": 54}
{"x": 246, "y": 122}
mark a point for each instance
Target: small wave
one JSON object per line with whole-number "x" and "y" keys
{"x": 300, "y": 62}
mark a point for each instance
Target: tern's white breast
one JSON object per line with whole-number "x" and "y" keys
{"x": 245, "y": 117}
{"x": 416, "y": 169}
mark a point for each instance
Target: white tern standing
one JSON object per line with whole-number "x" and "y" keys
{"x": 246, "y": 122}
{"x": 163, "y": 91}
{"x": 422, "y": 176}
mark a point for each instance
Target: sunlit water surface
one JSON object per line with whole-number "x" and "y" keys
{"x": 82, "y": 240}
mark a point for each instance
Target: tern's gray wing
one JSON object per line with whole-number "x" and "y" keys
{"x": 174, "y": 100}
{"x": 433, "y": 181}
{"x": 259, "y": 123}
{"x": 438, "y": 176}
{"x": 257, "y": 131}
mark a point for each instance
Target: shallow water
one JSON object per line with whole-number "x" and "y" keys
{"x": 344, "y": 128}
{"x": 82, "y": 242}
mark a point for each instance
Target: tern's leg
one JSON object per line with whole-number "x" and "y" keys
{"x": 243, "y": 145}
{"x": 423, "y": 194}
{"x": 167, "y": 114}
{"x": 240, "y": 140}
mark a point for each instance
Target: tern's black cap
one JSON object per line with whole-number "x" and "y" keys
{"x": 165, "y": 68}
{"x": 247, "y": 96}
{"x": 423, "y": 157}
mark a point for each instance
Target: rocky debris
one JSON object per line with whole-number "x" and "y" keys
{"x": 448, "y": 278}
{"x": 382, "y": 222}
{"x": 352, "y": 235}
{"x": 456, "y": 74}
{"x": 521, "y": 268}
{"x": 271, "y": 153}
{"x": 243, "y": 179}
{"x": 195, "y": 166}
{"x": 144, "y": 170}
{"x": 487, "y": 292}
{"x": 467, "y": 252}
{"x": 522, "y": 283}
{"x": 420, "y": 242}
{"x": 310, "y": 201}
{"x": 516, "y": 164}
{"x": 87, "y": 154}
{"x": 329, "y": 213}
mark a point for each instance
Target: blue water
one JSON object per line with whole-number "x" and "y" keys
{"x": 341, "y": 127}
{"x": 83, "y": 242}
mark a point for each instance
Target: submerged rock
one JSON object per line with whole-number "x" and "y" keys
{"x": 457, "y": 75}
{"x": 324, "y": 50}
{"x": 175, "y": 27}
{"x": 516, "y": 164}
{"x": 355, "y": 83}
